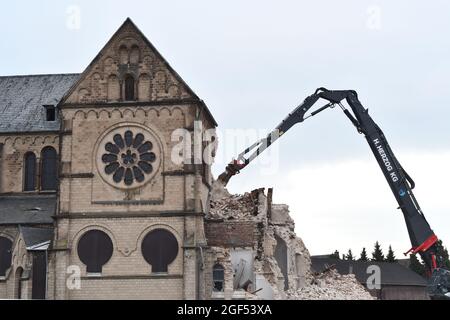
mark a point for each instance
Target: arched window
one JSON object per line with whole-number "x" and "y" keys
{"x": 218, "y": 277}
{"x": 129, "y": 88}
{"x": 135, "y": 55}
{"x": 49, "y": 169}
{"x": 113, "y": 88}
{"x": 5, "y": 255}
{"x": 18, "y": 283}
{"x": 144, "y": 86}
{"x": 95, "y": 248}
{"x": 159, "y": 248}
{"x": 123, "y": 55}
{"x": 29, "y": 172}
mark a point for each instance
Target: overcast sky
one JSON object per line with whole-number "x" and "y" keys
{"x": 254, "y": 61}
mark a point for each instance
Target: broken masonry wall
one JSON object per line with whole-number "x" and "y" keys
{"x": 222, "y": 256}
{"x": 290, "y": 267}
{"x": 250, "y": 223}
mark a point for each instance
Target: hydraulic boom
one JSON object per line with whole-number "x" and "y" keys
{"x": 423, "y": 239}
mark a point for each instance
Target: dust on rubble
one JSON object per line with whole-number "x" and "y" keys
{"x": 331, "y": 285}
{"x": 275, "y": 222}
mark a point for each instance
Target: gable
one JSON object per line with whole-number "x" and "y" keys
{"x": 128, "y": 55}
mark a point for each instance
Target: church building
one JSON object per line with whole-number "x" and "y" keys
{"x": 91, "y": 204}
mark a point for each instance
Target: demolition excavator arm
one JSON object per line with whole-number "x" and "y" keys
{"x": 422, "y": 237}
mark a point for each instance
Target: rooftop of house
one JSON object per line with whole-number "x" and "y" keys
{"x": 22, "y": 101}
{"x": 391, "y": 273}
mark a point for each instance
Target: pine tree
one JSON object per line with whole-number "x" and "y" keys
{"x": 416, "y": 266}
{"x": 390, "y": 256}
{"x": 349, "y": 255}
{"x": 363, "y": 256}
{"x": 335, "y": 255}
{"x": 377, "y": 254}
{"x": 442, "y": 255}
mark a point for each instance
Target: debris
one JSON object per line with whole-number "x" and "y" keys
{"x": 331, "y": 285}
{"x": 274, "y": 225}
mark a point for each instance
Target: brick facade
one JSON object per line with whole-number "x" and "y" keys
{"x": 172, "y": 197}
{"x": 231, "y": 233}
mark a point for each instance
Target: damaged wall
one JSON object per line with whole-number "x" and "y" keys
{"x": 249, "y": 229}
{"x": 251, "y": 224}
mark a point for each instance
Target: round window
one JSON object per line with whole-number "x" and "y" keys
{"x": 128, "y": 157}
{"x": 95, "y": 248}
{"x": 159, "y": 248}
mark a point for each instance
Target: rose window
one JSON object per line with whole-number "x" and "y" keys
{"x": 129, "y": 158}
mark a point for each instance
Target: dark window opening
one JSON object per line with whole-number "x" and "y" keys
{"x": 129, "y": 88}
{"x": 159, "y": 248}
{"x": 50, "y": 112}
{"x": 218, "y": 278}
{"x": 39, "y": 280}
{"x": 281, "y": 257}
{"x": 95, "y": 248}
{"x": 49, "y": 172}
{"x": 30, "y": 172}
{"x": 18, "y": 283}
{"x": 5, "y": 255}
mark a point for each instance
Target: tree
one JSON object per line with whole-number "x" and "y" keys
{"x": 349, "y": 255}
{"x": 363, "y": 256}
{"x": 390, "y": 256}
{"x": 442, "y": 258}
{"x": 377, "y": 254}
{"x": 335, "y": 255}
{"x": 442, "y": 255}
{"x": 416, "y": 266}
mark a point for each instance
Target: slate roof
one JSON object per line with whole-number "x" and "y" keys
{"x": 27, "y": 210}
{"x": 391, "y": 273}
{"x": 34, "y": 236}
{"x": 22, "y": 99}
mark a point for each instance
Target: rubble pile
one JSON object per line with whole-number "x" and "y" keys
{"x": 276, "y": 225}
{"x": 331, "y": 285}
{"x": 237, "y": 207}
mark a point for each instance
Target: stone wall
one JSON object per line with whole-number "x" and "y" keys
{"x": 230, "y": 233}
{"x": 162, "y": 193}
{"x": 172, "y": 195}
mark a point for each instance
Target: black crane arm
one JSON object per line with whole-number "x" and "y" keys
{"x": 423, "y": 239}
